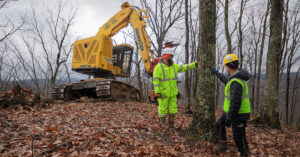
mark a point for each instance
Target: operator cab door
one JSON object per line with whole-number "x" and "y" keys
{"x": 122, "y": 58}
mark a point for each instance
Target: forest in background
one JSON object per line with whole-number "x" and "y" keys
{"x": 38, "y": 46}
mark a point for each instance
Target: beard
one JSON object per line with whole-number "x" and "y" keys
{"x": 170, "y": 61}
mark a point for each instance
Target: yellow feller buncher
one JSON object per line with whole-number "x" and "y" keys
{"x": 97, "y": 56}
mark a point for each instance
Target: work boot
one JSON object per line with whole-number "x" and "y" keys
{"x": 221, "y": 146}
{"x": 163, "y": 123}
{"x": 171, "y": 121}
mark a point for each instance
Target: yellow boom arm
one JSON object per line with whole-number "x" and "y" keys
{"x": 128, "y": 14}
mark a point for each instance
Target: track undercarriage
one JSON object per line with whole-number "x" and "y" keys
{"x": 98, "y": 88}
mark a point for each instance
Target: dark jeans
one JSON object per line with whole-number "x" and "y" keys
{"x": 238, "y": 130}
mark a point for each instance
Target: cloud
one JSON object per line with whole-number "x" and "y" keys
{"x": 93, "y": 14}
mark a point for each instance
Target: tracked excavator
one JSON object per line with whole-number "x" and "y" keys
{"x": 98, "y": 57}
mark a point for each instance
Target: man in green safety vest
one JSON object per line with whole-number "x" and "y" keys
{"x": 236, "y": 105}
{"x": 165, "y": 86}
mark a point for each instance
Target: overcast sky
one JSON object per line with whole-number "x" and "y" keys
{"x": 91, "y": 14}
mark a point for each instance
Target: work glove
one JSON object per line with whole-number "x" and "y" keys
{"x": 158, "y": 95}
{"x": 215, "y": 71}
{"x": 227, "y": 122}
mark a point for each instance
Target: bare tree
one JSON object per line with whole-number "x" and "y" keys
{"x": 240, "y": 32}
{"x": 220, "y": 47}
{"x": 138, "y": 65}
{"x": 6, "y": 72}
{"x": 17, "y": 74}
{"x": 284, "y": 39}
{"x": 2, "y": 57}
{"x": 187, "y": 38}
{"x": 163, "y": 16}
{"x": 294, "y": 97}
{"x": 55, "y": 46}
{"x": 255, "y": 42}
{"x": 228, "y": 34}
{"x": 66, "y": 65}
{"x": 204, "y": 115}
{"x": 269, "y": 112}
{"x": 293, "y": 34}
{"x": 194, "y": 36}
{"x": 261, "y": 55}
{"x": 29, "y": 65}
{"x": 8, "y": 28}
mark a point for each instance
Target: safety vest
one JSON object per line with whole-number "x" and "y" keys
{"x": 165, "y": 78}
{"x": 245, "y": 105}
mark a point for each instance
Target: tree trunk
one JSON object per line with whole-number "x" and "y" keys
{"x": 53, "y": 81}
{"x": 260, "y": 57}
{"x": 284, "y": 39}
{"x": 187, "y": 81}
{"x": 204, "y": 115}
{"x": 68, "y": 72}
{"x": 294, "y": 97}
{"x": 253, "y": 83}
{"x": 241, "y": 59}
{"x": 269, "y": 112}
{"x": 194, "y": 46}
{"x": 256, "y": 41}
{"x": 139, "y": 78}
{"x": 160, "y": 46}
{"x": 228, "y": 36}
{"x": 294, "y": 36}
{"x": 163, "y": 16}
{"x": 287, "y": 92}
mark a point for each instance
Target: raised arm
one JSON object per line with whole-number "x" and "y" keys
{"x": 185, "y": 67}
{"x": 221, "y": 76}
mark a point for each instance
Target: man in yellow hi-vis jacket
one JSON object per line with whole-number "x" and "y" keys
{"x": 165, "y": 85}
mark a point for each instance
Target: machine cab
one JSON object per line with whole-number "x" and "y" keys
{"x": 122, "y": 58}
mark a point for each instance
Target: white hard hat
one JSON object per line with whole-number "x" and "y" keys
{"x": 169, "y": 51}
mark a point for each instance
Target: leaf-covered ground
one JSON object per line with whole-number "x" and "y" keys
{"x": 120, "y": 129}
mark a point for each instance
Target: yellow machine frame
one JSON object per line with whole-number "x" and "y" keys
{"x": 95, "y": 53}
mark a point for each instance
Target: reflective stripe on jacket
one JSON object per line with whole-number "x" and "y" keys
{"x": 245, "y": 104}
{"x": 165, "y": 78}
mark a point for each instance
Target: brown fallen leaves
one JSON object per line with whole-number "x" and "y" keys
{"x": 19, "y": 96}
{"x": 120, "y": 129}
